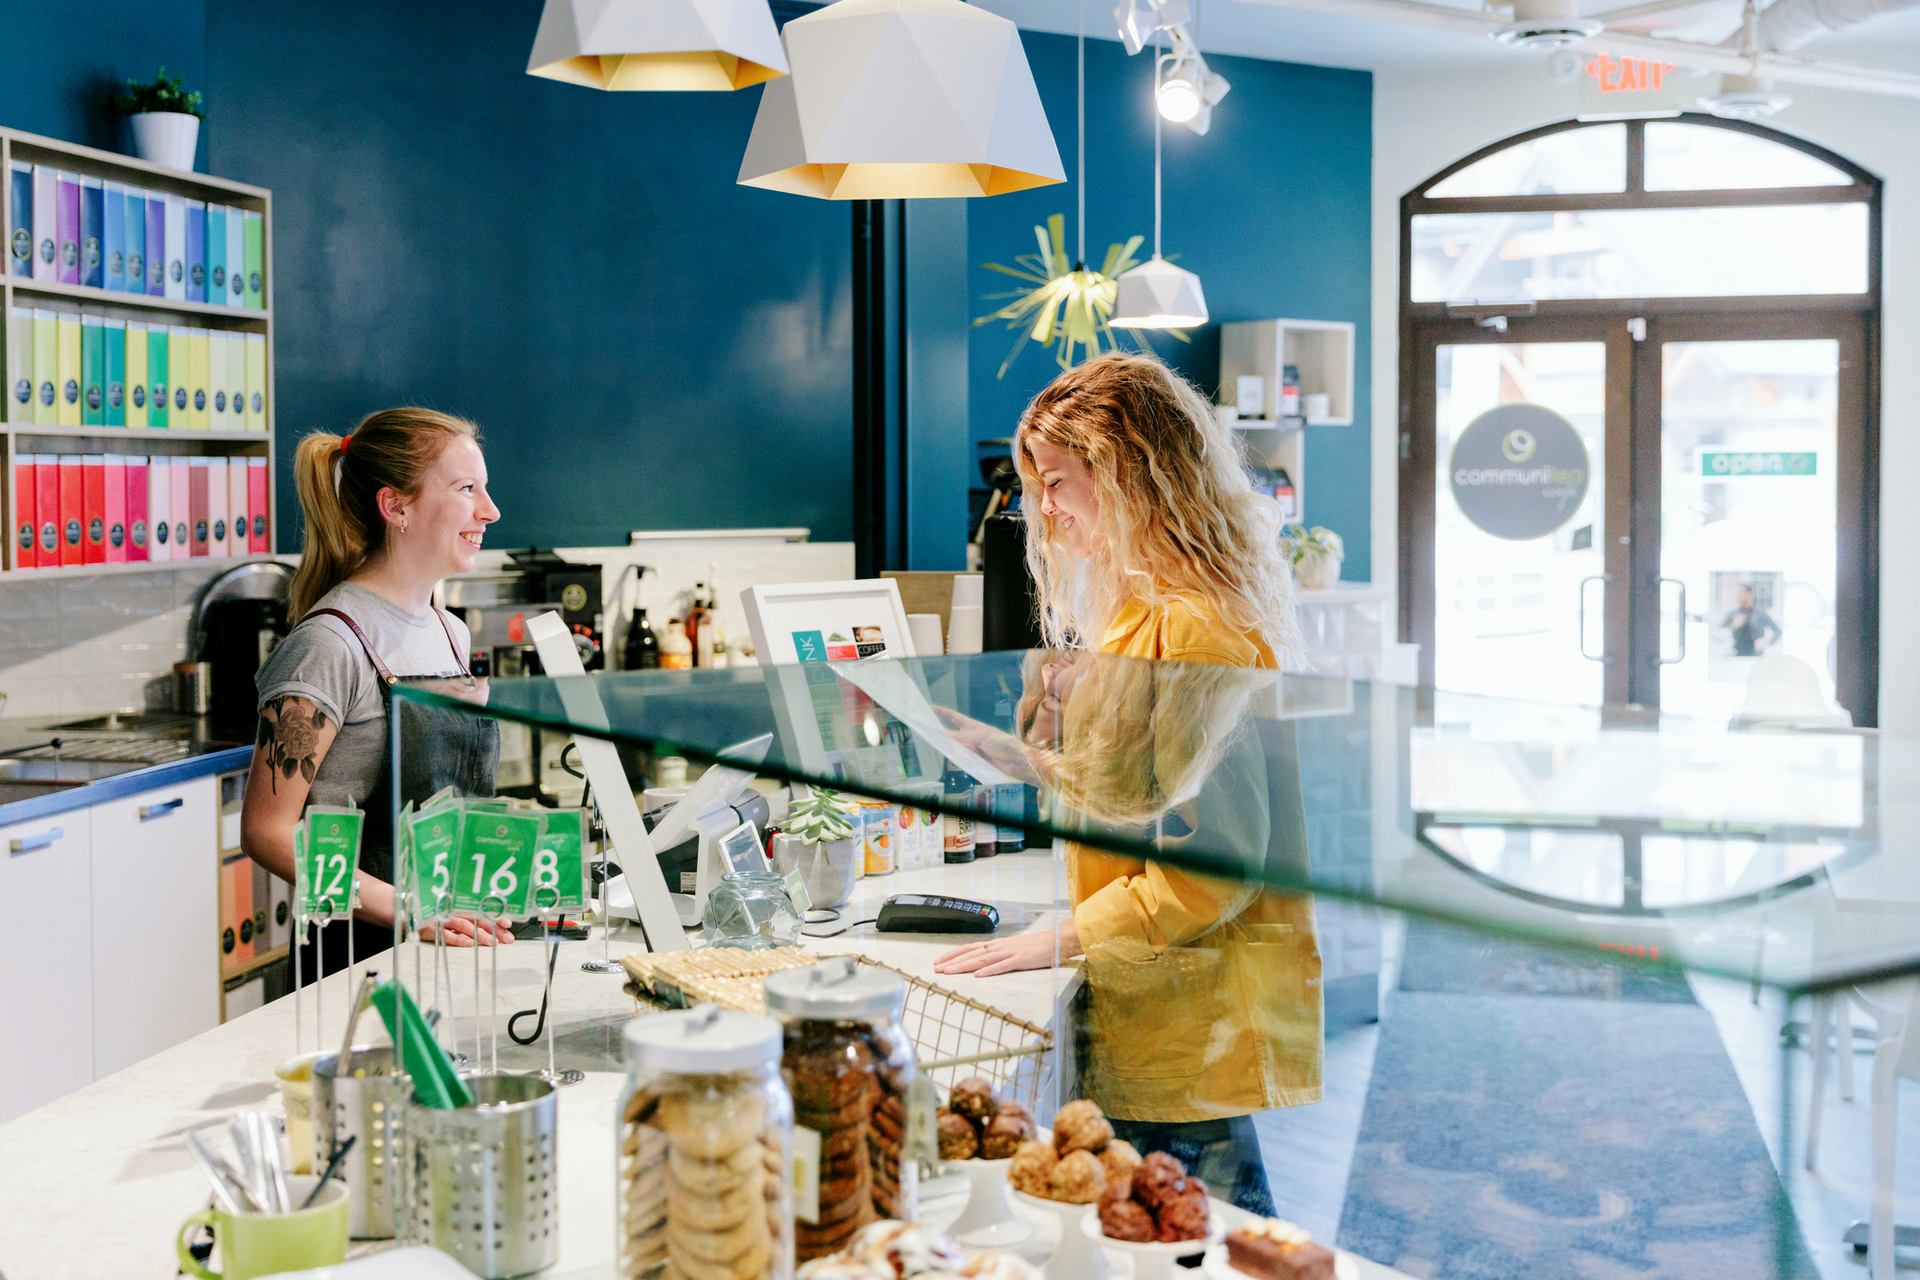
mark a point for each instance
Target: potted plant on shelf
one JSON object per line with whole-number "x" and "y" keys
{"x": 818, "y": 839}
{"x": 1316, "y": 554}
{"x": 165, "y": 118}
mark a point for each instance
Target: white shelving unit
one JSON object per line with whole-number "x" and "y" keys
{"x": 1323, "y": 353}
{"x": 30, "y": 437}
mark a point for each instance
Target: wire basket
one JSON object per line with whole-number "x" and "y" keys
{"x": 954, "y": 1036}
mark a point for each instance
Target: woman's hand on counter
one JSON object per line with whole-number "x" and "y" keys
{"x": 465, "y": 931}
{"x": 1031, "y": 950}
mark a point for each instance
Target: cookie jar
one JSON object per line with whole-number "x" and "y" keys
{"x": 701, "y": 1143}
{"x": 848, "y": 1064}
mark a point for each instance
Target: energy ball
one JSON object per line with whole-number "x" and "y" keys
{"x": 1079, "y": 1126}
{"x": 1119, "y": 1160}
{"x": 1032, "y": 1168}
{"x": 958, "y": 1141}
{"x": 1077, "y": 1179}
{"x": 1005, "y": 1132}
{"x": 973, "y": 1098}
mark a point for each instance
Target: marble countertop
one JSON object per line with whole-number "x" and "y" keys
{"x": 97, "y": 1183}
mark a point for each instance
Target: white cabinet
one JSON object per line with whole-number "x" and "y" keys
{"x": 156, "y": 966}
{"x": 46, "y": 961}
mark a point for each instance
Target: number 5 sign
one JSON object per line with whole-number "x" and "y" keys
{"x": 328, "y": 857}
{"x": 493, "y": 874}
{"x": 434, "y": 836}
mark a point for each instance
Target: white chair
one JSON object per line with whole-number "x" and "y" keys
{"x": 1830, "y": 1035}
{"x": 1896, "y": 1058}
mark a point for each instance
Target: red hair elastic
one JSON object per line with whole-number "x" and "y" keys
{"x": 345, "y": 441}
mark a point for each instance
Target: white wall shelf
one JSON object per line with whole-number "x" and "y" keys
{"x": 18, "y": 438}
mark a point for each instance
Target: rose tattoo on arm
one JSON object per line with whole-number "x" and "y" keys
{"x": 290, "y": 737}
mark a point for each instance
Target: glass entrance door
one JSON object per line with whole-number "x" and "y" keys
{"x": 1519, "y": 585}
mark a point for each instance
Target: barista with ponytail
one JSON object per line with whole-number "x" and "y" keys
{"x": 391, "y": 509}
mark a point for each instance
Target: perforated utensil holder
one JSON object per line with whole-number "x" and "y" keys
{"x": 367, "y": 1107}
{"x": 482, "y": 1182}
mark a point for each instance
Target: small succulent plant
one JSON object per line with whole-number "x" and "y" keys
{"x": 818, "y": 817}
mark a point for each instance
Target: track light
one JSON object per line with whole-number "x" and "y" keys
{"x": 1188, "y": 88}
{"x": 1138, "y": 22}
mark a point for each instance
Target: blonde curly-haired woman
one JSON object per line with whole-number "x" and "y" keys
{"x": 1146, "y": 541}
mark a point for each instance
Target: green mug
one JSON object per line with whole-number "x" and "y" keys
{"x": 260, "y": 1244}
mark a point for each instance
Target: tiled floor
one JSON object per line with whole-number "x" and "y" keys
{"x": 1308, "y": 1150}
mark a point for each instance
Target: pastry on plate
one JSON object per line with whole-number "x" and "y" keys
{"x": 1268, "y": 1249}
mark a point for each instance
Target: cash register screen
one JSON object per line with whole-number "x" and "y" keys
{"x": 742, "y": 850}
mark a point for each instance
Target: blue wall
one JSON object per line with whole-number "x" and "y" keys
{"x": 1272, "y": 210}
{"x": 62, "y": 65}
{"x": 645, "y": 343}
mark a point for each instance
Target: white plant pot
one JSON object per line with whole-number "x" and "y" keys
{"x": 166, "y": 138}
{"x": 1316, "y": 573}
{"x": 828, "y": 869}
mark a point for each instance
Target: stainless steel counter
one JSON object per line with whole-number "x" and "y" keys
{"x": 103, "y": 757}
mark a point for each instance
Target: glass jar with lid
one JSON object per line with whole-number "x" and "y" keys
{"x": 849, "y": 1065}
{"x": 751, "y": 910}
{"x": 702, "y": 1139}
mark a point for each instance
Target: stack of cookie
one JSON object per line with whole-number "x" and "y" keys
{"x": 849, "y": 1086}
{"x": 976, "y": 1126}
{"x": 1155, "y": 1202}
{"x": 1080, "y": 1162}
{"x": 702, "y": 1174}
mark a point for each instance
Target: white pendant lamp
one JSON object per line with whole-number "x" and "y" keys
{"x": 1156, "y": 294}
{"x": 901, "y": 99}
{"x": 653, "y": 45}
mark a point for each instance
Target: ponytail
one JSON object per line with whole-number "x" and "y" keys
{"x": 339, "y": 480}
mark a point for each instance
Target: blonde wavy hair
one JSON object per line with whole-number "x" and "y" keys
{"x": 1178, "y": 515}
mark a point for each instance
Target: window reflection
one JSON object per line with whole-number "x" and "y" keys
{"x": 1574, "y": 161}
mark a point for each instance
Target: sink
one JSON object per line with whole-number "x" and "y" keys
{"x": 123, "y": 721}
{"x": 60, "y": 773}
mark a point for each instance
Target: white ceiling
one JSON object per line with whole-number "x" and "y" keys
{"x": 1264, "y": 30}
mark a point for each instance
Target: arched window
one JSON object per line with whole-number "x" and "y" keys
{"x": 1688, "y": 308}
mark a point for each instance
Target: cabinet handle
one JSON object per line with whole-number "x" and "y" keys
{"x": 33, "y": 844}
{"x": 148, "y": 812}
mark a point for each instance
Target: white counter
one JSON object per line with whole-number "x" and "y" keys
{"x": 97, "y": 1183}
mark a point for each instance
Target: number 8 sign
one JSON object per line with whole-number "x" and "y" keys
{"x": 559, "y": 868}
{"x": 494, "y": 869}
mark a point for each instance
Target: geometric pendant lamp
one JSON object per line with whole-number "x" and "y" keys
{"x": 901, "y": 99}
{"x": 1156, "y": 294}
{"x": 657, "y": 44}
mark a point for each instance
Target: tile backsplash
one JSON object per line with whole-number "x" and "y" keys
{"x": 72, "y": 645}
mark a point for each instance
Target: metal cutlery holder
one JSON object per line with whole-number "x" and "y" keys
{"x": 367, "y": 1107}
{"x": 482, "y": 1182}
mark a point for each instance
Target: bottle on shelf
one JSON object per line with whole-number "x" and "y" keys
{"x": 676, "y": 653}
{"x": 696, "y": 618}
{"x": 1010, "y": 803}
{"x": 986, "y": 832}
{"x": 642, "y": 649}
{"x": 957, "y": 791}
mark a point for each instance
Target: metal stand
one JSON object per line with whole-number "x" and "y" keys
{"x": 552, "y": 1075}
{"x": 605, "y": 963}
{"x": 492, "y": 908}
{"x": 1903, "y": 1237}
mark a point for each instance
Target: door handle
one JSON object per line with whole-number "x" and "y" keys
{"x": 1682, "y": 655}
{"x": 148, "y": 812}
{"x": 33, "y": 844}
{"x": 1592, "y": 577}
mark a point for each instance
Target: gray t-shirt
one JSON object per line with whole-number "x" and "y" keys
{"x": 320, "y": 660}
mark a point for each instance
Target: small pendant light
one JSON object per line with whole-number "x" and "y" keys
{"x": 900, "y": 99}
{"x": 652, "y": 45}
{"x": 1156, "y": 294}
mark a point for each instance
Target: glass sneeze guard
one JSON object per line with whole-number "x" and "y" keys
{"x": 1768, "y": 854}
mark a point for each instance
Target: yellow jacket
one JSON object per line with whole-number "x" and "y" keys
{"x": 1204, "y": 992}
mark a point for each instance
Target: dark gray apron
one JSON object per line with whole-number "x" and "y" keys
{"x": 443, "y": 748}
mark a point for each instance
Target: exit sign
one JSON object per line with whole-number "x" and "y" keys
{"x": 1627, "y": 75}
{"x": 1726, "y": 465}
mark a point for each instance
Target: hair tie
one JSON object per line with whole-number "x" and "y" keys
{"x": 346, "y": 440}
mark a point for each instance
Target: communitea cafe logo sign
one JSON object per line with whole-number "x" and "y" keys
{"x": 1519, "y": 471}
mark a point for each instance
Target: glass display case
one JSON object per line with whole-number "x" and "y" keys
{"x": 1468, "y": 986}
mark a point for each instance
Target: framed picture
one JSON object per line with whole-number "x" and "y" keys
{"x": 799, "y": 622}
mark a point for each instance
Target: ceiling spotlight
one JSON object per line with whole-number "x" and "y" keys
{"x": 1178, "y": 96}
{"x": 1138, "y": 22}
{"x": 1546, "y": 25}
{"x": 1745, "y": 98}
{"x": 1188, "y": 89}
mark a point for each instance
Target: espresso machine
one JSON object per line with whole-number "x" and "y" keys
{"x": 495, "y": 607}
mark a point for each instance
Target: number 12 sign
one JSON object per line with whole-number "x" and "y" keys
{"x": 493, "y": 872}
{"x": 327, "y": 861}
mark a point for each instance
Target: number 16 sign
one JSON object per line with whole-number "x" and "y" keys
{"x": 493, "y": 872}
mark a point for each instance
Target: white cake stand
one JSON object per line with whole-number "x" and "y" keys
{"x": 988, "y": 1221}
{"x": 1076, "y": 1256}
{"x": 1152, "y": 1261}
